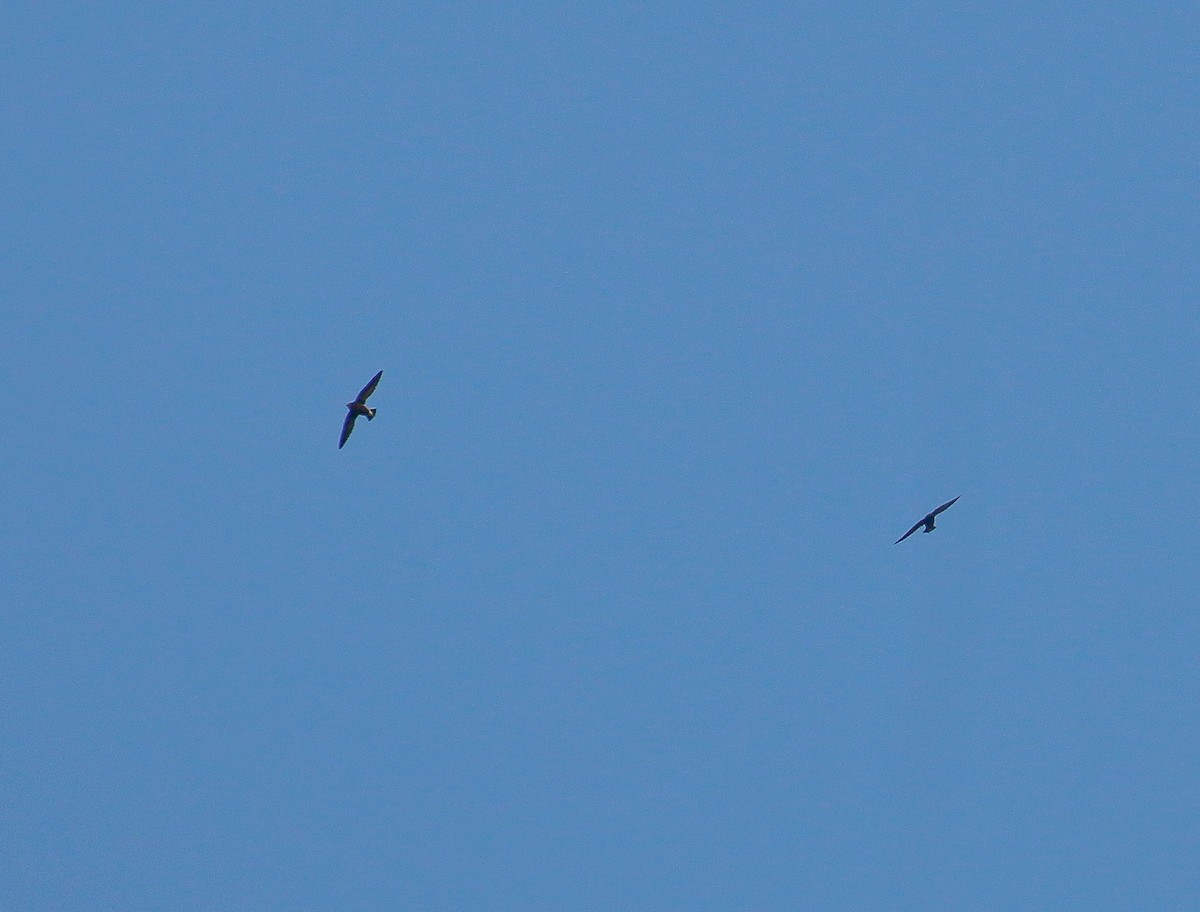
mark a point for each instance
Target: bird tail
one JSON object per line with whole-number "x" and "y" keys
{"x": 371, "y": 413}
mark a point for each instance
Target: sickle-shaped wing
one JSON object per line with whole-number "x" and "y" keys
{"x": 347, "y": 427}
{"x": 910, "y": 532}
{"x": 368, "y": 389}
{"x": 947, "y": 505}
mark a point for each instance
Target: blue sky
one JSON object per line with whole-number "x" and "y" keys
{"x": 686, "y": 311}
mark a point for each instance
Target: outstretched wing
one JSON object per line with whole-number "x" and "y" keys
{"x": 347, "y": 427}
{"x": 910, "y": 532}
{"x": 946, "y": 506}
{"x": 369, "y": 388}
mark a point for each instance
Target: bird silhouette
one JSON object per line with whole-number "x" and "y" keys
{"x": 359, "y": 407}
{"x": 927, "y": 522}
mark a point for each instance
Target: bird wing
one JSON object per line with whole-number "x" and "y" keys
{"x": 910, "y": 531}
{"x": 347, "y": 427}
{"x": 946, "y": 506}
{"x": 369, "y": 388}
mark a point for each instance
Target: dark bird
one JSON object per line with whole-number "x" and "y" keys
{"x": 359, "y": 407}
{"x": 927, "y": 522}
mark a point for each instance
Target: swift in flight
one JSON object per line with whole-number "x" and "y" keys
{"x": 927, "y": 522}
{"x": 359, "y": 407}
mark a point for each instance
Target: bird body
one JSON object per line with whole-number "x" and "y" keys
{"x": 358, "y": 408}
{"x": 928, "y": 520}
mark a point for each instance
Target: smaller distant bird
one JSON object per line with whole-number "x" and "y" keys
{"x": 359, "y": 407}
{"x": 927, "y": 522}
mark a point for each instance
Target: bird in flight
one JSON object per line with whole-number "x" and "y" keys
{"x": 927, "y": 522}
{"x": 359, "y": 407}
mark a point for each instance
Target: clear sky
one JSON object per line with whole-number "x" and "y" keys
{"x": 686, "y": 311}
